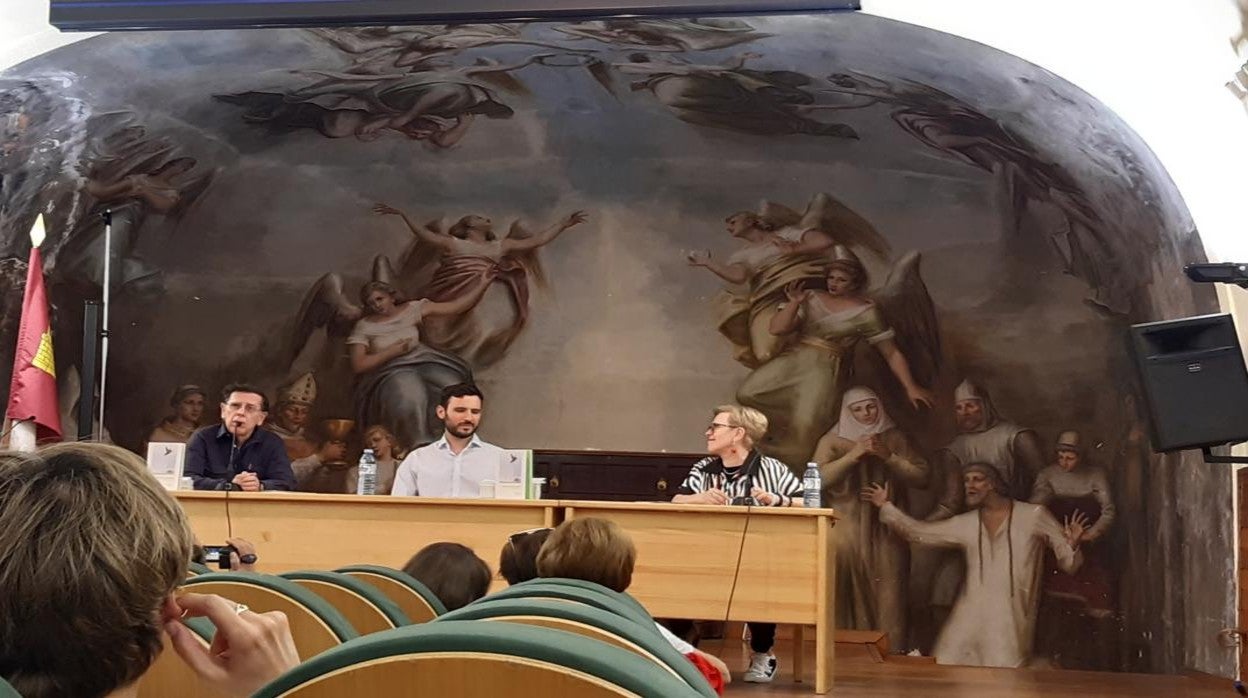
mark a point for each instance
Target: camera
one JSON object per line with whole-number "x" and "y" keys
{"x": 744, "y": 501}
{"x": 219, "y": 554}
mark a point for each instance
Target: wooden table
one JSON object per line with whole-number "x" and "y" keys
{"x": 686, "y": 554}
{"x": 299, "y": 531}
{"x": 687, "y": 565}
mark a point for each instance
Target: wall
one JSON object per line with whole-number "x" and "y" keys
{"x": 614, "y": 282}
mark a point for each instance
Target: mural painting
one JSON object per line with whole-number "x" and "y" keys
{"x": 918, "y": 270}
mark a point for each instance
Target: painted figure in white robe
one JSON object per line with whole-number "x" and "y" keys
{"x": 993, "y": 621}
{"x": 872, "y": 562}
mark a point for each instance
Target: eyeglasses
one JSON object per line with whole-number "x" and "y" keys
{"x": 511, "y": 540}
{"x": 710, "y": 429}
{"x": 249, "y": 408}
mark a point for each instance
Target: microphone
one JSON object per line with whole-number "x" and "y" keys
{"x": 229, "y": 468}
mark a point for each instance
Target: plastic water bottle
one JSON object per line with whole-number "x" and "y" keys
{"x": 367, "y": 483}
{"x": 812, "y": 487}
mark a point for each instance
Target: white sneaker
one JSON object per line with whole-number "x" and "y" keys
{"x": 762, "y": 668}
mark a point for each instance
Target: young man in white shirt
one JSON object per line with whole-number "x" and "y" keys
{"x": 454, "y": 465}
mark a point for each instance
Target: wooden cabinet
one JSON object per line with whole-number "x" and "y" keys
{"x": 612, "y": 475}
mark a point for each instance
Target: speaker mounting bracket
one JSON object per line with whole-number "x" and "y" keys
{"x": 1211, "y": 458}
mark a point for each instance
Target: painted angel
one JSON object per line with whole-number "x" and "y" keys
{"x": 382, "y": 49}
{"x": 952, "y": 126}
{"x": 135, "y": 176}
{"x": 435, "y": 105}
{"x": 665, "y": 34}
{"x": 779, "y": 246}
{"x": 729, "y": 96}
{"x": 462, "y": 253}
{"x": 398, "y": 375}
{"x": 800, "y": 390}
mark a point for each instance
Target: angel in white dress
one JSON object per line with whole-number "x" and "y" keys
{"x": 398, "y": 375}
{"x": 459, "y": 256}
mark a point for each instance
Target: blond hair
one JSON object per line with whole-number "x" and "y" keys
{"x": 595, "y": 550}
{"x": 90, "y": 547}
{"x": 751, "y": 420}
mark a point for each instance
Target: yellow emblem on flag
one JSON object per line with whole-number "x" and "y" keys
{"x": 43, "y": 357}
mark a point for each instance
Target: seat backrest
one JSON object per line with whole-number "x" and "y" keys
{"x": 471, "y": 659}
{"x": 197, "y": 568}
{"x": 417, "y": 601}
{"x": 315, "y": 625}
{"x": 362, "y": 604}
{"x": 594, "y": 586}
{"x": 591, "y": 622}
{"x": 605, "y": 599}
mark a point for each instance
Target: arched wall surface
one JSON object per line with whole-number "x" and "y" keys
{"x": 1011, "y": 224}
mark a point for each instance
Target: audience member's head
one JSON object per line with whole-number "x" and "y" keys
{"x": 91, "y": 549}
{"x": 518, "y": 561}
{"x": 452, "y": 572}
{"x": 595, "y": 550}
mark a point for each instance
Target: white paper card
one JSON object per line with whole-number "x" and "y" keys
{"x": 164, "y": 461}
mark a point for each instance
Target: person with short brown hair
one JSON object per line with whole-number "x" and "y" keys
{"x": 599, "y": 551}
{"x": 91, "y": 551}
{"x": 453, "y": 572}
{"x": 595, "y": 550}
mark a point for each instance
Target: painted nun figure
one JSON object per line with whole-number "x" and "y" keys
{"x": 872, "y": 563}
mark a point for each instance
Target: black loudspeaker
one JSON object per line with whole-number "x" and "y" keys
{"x": 1194, "y": 381}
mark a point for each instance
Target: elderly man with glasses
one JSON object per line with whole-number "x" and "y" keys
{"x": 237, "y": 454}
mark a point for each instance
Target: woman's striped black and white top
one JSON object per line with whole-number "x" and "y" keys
{"x": 759, "y": 471}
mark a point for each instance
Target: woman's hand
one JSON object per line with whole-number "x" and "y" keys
{"x": 711, "y": 496}
{"x": 575, "y": 218}
{"x": 860, "y": 449}
{"x": 385, "y": 210}
{"x": 248, "y": 651}
{"x": 1075, "y": 527}
{"x": 796, "y": 293}
{"x": 762, "y": 496}
{"x": 877, "y": 447}
{"x": 698, "y": 258}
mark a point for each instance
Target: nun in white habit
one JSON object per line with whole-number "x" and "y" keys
{"x": 863, "y": 447}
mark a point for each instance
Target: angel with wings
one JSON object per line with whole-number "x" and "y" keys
{"x": 434, "y": 105}
{"x": 462, "y": 253}
{"x": 945, "y": 123}
{"x": 728, "y": 96}
{"x": 666, "y": 34}
{"x": 398, "y": 375}
{"x": 382, "y": 49}
{"x": 135, "y": 176}
{"x": 800, "y": 389}
{"x": 779, "y": 246}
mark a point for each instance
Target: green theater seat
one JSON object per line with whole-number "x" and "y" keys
{"x": 591, "y": 622}
{"x": 601, "y": 597}
{"x": 419, "y": 603}
{"x": 363, "y": 604}
{"x": 471, "y": 659}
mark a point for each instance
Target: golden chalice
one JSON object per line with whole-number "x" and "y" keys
{"x": 338, "y": 430}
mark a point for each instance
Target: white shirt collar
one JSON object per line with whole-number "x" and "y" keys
{"x": 443, "y": 444}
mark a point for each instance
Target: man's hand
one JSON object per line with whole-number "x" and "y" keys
{"x": 248, "y": 650}
{"x": 764, "y": 497}
{"x": 1075, "y": 527}
{"x": 875, "y": 494}
{"x": 247, "y": 482}
{"x": 244, "y": 549}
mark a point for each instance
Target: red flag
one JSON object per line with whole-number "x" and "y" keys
{"x": 32, "y": 394}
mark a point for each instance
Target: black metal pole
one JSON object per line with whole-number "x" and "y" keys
{"x": 90, "y": 368}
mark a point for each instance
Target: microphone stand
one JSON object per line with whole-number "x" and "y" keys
{"x": 108, "y": 268}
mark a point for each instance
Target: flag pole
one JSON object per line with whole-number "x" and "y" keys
{"x": 108, "y": 258}
{"x": 23, "y": 434}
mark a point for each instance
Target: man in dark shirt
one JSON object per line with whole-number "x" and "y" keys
{"x": 237, "y": 454}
